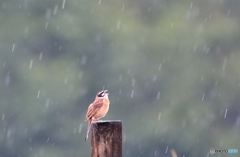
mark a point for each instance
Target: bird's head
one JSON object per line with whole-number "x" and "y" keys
{"x": 102, "y": 94}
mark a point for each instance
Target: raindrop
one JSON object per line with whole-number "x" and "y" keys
{"x": 99, "y": 2}
{"x": 132, "y": 93}
{"x": 38, "y": 94}
{"x": 124, "y": 137}
{"x": 195, "y": 48}
{"x": 9, "y": 132}
{"x": 30, "y": 64}
{"x": 84, "y": 60}
{"x": 205, "y": 21}
{"x": 55, "y": 9}
{"x": 123, "y": 7}
{"x": 203, "y": 97}
{"x": 238, "y": 121}
{"x": 47, "y": 139}
{"x": 120, "y": 91}
{"x": 160, "y": 67}
{"x": 63, "y": 4}
{"x": 224, "y": 63}
{"x": 163, "y": 60}
{"x": 3, "y": 117}
{"x": 133, "y": 82}
{"x": 65, "y": 81}
{"x": 166, "y": 150}
{"x": 159, "y": 116}
{"x": 47, "y": 103}
{"x": 60, "y": 47}
{"x": 80, "y": 75}
{"x": 225, "y": 114}
{"x": 4, "y": 64}
{"x": 13, "y": 47}
{"x": 191, "y": 5}
{"x": 210, "y": 16}
{"x": 120, "y": 78}
{"x": 26, "y": 30}
{"x": 172, "y": 25}
{"x": 149, "y": 9}
{"x": 48, "y": 14}
{"x": 46, "y": 25}
{"x": 118, "y": 24}
{"x": 155, "y": 78}
{"x": 7, "y": 79}
{"x": 80, "y": 128}
{"x": 228, "y": 13}
{"x": 40, "y": 56}
{"x": 158, "y": 95}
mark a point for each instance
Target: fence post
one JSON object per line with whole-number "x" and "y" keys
{"x": 107, "y": 139}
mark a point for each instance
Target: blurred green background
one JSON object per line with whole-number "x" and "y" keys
{"x": 172, "y": 69}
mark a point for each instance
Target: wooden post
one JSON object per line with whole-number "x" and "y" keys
{"x": 107, "y": 139}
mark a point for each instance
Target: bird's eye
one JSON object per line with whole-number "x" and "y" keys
{"x": 101, "y": 94}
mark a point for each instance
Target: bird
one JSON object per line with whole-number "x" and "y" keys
{"x": 98, "y": 109}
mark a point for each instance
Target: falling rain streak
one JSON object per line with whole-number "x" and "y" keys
{"x": 225, "y": 114}
{"x": 13, "y": 47}
{"x": 80, "y": 128}
{"x": 160, "y": 66}
{"x": 40, "y": 56}
{"x": 30, "y": 64}
{"x": 123, "y": 8}
{"x": 203, "y": 97}
{"x": 159, "y": 116}
{"x": 132, "y": 93}
{"x": 118, "y": 24}
{"x": 224, "y": 64}
{"x": 158, "y": 95}
{"x": 63, "y": 4}
{"x": 38, "y": 94}
{"x": 46, "y": 25}
{"x": 166, "y": 150}
{"x": 3, "y": 117}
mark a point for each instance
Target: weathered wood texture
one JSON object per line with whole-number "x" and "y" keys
{"x": 107, "y": 139}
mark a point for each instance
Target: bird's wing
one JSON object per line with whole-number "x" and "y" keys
{"x": 93, "y": 108}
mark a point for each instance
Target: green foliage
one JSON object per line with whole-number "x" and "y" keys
{"x": 172, "y": 69}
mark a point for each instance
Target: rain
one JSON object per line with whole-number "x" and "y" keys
{"x": 171, "y": 69}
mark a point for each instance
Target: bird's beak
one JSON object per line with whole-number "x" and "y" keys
{"x": 106, "y": 92}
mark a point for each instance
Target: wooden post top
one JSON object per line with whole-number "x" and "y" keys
{"x": 107, "y": 121}
{"x": 107, "y": 138}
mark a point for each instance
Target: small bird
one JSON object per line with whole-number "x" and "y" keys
{"x": 97, "y": 109}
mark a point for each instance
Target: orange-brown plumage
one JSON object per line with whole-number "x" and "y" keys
{"x": 97, "y": 109}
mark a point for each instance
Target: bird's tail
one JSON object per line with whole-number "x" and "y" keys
{"x": 88, "y": 129}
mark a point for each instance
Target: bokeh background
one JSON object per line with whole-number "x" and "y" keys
{"x": 172, "y": 69}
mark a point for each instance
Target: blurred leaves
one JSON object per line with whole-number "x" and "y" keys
{"x": 171, "y": 68}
